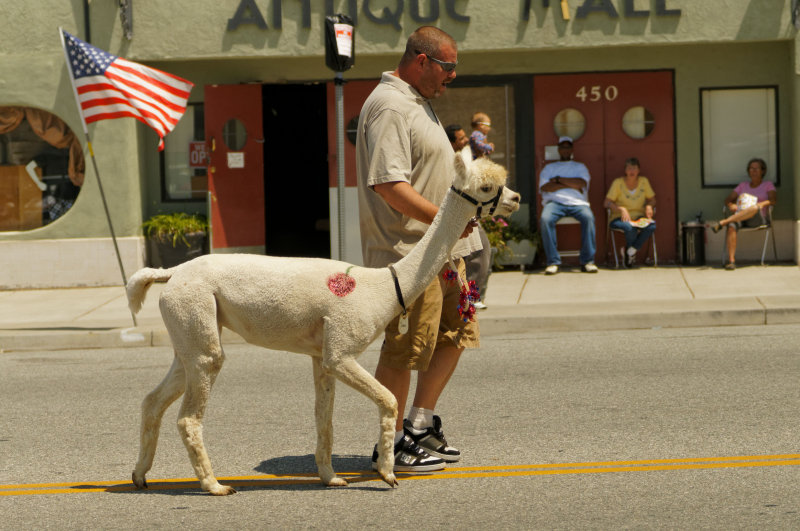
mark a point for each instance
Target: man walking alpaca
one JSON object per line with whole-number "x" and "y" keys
{"x": 405, "y": 167}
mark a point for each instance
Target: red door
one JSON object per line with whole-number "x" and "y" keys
{"x": 625, "y": 115}
{"x": 235, "y": 143}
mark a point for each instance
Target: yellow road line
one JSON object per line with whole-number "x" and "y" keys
{"x": 638, "y": 462}
{"x": 599, "y": 470}
{"x": 544, "y": 469}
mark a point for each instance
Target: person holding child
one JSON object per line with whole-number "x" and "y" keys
{"x": 632, "y": 202}
{"x": 479, "y": 263}
{"x": 481, "y": 125}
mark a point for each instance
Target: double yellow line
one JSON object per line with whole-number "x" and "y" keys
{"x": 270, "y": 480}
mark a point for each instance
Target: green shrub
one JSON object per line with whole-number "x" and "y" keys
{"x": 174, "y": 227}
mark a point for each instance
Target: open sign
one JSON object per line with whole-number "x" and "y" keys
{"x": 198, "y": 157}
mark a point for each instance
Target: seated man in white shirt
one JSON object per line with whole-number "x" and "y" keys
{"x": 565, "y": 192}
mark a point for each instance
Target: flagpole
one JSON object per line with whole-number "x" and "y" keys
{"x": 94, "y": 165}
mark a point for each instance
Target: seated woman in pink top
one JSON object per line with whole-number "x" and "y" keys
{"x": 747, "y": 200}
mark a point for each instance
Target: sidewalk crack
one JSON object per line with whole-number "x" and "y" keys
{"x": 521, "y": 291}
{"x": 686, "y": 283}
{"x": 87, "y": 312}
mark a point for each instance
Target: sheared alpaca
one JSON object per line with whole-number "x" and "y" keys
{"x": 327, "y": 309}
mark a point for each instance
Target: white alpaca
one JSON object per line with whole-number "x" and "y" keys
{"x": 327, "y": 309}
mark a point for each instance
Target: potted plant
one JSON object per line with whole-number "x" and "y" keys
{"x": 514, "y": 243}
{"x": 175, "y": 238}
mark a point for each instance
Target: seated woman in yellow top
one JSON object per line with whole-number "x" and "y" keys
{"x": 632, "y": 201}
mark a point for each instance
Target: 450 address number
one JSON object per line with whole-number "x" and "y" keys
{"x": 597, "y": 93}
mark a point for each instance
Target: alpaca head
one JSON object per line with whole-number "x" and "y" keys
{"x": 481, "y": 179}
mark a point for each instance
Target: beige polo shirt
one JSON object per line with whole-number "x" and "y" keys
{"x": 400, "y": 139}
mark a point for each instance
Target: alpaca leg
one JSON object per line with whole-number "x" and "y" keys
{"x": 200, "y": 376}
{"x": 153, "y": 408}
{"x": 350, "y": 372}
{"x": 339, "y": 353}
{"x": 325, "y": 389}
{"x": 342, "y": 363}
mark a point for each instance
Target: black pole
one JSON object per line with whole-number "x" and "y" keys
{"x": 108, "y": 218}
{"x": 87, "y": 24}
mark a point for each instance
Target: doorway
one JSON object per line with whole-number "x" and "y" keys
{"x": 268, "y": 169}
{"x": 612, "y": 116}
{"x": 296, "y": 213}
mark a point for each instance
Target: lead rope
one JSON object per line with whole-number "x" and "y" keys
{"x": 455, "y": 270}
{"x": 402, "y": 324}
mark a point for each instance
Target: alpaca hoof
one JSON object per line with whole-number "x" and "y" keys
{"x": 222, "y": 490}
{"x": 390, "y": 479}
{"x": 336, "y": 482}
{"x": 139, "y": 483}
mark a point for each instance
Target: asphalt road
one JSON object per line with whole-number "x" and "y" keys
{"x": 672, "y": 428}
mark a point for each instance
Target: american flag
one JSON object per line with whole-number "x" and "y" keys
{"x": 109, "y": 86}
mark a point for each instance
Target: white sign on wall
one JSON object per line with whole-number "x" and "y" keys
{"x": 235, "y": 159}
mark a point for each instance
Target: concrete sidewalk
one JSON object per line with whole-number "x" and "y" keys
{"x": 647, "y": 297}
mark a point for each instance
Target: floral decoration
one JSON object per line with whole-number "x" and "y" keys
{"x": 469, "y": 296}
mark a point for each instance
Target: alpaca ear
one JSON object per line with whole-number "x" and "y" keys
{"x": 464, "y": 158}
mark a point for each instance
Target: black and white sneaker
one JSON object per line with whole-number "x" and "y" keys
{"x": 432, "y": 440}
{"x": 409, "y": 457}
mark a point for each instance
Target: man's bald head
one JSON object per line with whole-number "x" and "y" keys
{"x": 428, "y": 40}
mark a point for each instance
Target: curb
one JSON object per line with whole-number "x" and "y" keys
{"x": 495, "y": 321}
{"x": 44, "y": 339}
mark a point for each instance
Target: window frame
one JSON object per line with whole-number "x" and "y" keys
{"x": 774, "y": 168}
{"x": 162, "y": 161}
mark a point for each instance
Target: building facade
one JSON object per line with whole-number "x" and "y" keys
{"x": 692, "y": 89}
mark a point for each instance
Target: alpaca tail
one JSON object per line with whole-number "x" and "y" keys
{"x": 141, "y": 281}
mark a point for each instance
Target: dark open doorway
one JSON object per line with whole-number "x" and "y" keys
{"x": 296, "y": 171}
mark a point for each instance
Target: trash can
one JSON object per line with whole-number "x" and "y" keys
{"x": 694, "y": 243}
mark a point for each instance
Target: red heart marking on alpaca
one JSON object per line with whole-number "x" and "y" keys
{"x": 341, "y": 284}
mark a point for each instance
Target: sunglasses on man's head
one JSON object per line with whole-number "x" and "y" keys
{"x": 447, "y": 67}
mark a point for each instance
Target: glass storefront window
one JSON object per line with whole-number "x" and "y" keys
{"x": 737, "y": 125}
{"x": 41, "y": 168}
{"x": 496, "y": 101}
{"x": 184, "y": 176}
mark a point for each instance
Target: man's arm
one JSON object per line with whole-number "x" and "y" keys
{"x": 402, "y": 197}
{"x": 576, "y": 183}
{"x": 558, "y": 183}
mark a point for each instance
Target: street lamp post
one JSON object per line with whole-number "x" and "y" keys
{"x": 339, "y": 56}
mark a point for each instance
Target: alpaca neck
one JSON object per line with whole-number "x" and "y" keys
{"x": 417, "y": 269}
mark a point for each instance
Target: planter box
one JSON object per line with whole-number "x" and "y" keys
{"x": 519, "y": 253}
{"x": 161, "y": 253}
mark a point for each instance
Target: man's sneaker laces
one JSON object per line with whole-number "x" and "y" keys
{"x": 432, "y": 440}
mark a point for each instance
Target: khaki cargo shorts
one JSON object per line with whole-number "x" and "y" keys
{"x": 433, "y": 322}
